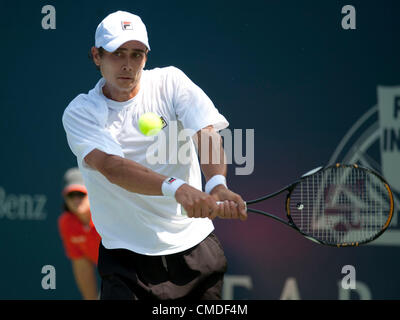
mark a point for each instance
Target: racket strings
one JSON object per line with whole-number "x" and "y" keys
{"x": 341, "y": 205}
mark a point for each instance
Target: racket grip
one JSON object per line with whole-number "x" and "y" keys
{"x": 221, "y": 202}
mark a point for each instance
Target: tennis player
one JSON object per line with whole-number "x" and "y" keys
{"x": 154, "y": 219}
{"x": 79, "y": 236}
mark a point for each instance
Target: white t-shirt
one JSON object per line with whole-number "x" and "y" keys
{"x": 151, "y": 225}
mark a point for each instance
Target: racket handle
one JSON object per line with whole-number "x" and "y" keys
{"x": 221, "y": 202}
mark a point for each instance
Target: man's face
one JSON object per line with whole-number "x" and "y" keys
{"x": 122, "y": 68}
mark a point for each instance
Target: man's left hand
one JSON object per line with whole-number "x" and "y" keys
{"x": 232, "y": 206}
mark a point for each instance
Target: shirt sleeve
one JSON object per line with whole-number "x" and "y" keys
{"x": 192, "y": 106}
{"x": 84, "y": 134}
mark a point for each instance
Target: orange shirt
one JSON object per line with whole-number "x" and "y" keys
{"x": 79, "y": 240}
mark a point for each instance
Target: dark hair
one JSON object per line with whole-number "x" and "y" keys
{"x": 101, "y": 53}
{"x": 65, "y": 207}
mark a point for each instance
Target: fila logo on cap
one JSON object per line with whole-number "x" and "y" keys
{"x": 126, "y": 25}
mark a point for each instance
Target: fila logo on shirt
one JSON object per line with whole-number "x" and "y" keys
{"x": 164, "y": 123}
{"x": 126, "y": 25}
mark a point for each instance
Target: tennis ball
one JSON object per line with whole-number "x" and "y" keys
{"x": 150, "y": 124}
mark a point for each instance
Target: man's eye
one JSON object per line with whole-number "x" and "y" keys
{"x": 118, "y": 54}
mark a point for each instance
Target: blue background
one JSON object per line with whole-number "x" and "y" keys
{"x": 286, "y": 69}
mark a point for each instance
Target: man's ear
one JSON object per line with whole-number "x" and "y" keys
{"x": 145, "y": 60}
{"x": 95, "y": 56}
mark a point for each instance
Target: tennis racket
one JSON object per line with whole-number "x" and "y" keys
{"x": 339, "y": 205}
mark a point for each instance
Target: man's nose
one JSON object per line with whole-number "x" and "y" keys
{"x": 127, "y": 65}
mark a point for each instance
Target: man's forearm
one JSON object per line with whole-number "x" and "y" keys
{"x": 127, "y": 174}
{"x": 211, "y": 153}
{"x": 210, "y": 170}
{"x": 134, "y": 177}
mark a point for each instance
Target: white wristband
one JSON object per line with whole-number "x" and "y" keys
{"x": 215, "y": 181}
{"x": 170, "y": 185}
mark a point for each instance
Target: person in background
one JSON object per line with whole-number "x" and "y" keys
{"x": 79, "y": 236}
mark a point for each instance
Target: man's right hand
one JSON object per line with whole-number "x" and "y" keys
{"x": 196, "y": 203}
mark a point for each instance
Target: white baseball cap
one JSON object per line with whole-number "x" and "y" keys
{"x": 118, "y": 28}
{"x": 73, "y": 181}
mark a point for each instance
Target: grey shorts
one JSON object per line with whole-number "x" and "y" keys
{"x": 193, "y": 274}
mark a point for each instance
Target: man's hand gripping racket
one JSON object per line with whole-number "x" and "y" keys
{"x": 339, "y": 205}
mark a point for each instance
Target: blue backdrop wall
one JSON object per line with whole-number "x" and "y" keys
{"x": 287, "y": 69}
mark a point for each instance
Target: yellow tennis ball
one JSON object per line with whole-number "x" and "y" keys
{"x": 150, "y": 124}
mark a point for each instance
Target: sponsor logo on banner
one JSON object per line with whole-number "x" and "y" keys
{"x": 22, "y": 206}
{"x": 374, "y": 142}
{"x": 389, "y": 122}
